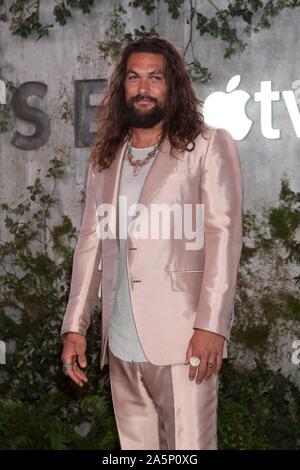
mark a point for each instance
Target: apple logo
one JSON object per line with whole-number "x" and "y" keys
{"x": 227, "y": 110}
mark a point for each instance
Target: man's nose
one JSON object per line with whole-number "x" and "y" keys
{"x": 144, "y": 86}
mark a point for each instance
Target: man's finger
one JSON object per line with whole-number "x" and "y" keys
{"x": 192, "y": 372}
{"x": 188, "y": 354}
{"x": 68, "y": 358}
{"x": 211, "y": 365}
{"x": 80, "y": 374}
{"x": 218, "y": 363}
{"x": 73, "y": 376}
{"x": 201, "y": 370}
{"x": 73, "y": 372}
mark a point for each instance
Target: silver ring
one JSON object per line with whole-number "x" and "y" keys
{"x": 194, "y": 361}
{"x": 65, "y": 368}
{"x": 210, "y": 365}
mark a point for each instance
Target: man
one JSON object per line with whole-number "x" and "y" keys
{"x": 167, "y": 304}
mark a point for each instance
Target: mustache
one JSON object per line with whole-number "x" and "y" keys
{"x": 140, "y": 97}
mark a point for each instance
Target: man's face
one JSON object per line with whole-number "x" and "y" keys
{"x": 145, "y": 89}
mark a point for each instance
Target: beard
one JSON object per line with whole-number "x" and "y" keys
{"x": 144, "y": 118}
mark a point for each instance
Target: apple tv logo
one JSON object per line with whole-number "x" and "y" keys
{"x": 228, "y": 109}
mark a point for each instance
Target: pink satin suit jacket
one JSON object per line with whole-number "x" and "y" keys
{"x": 173, "y": 289}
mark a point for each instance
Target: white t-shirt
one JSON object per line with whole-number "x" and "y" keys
{"x": 122, "y": 335}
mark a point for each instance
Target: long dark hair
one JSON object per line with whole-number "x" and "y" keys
{"x": 182, "y": 122}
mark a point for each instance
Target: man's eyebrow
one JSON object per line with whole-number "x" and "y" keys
{"x": 153, "y": 72}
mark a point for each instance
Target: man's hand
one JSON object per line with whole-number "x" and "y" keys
{"x": 208, "y": 346}
{"x": 74, "y": 353}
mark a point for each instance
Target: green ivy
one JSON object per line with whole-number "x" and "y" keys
{"x": 39, "y": 407}
{"x": 258, "y": 409}
{"x": 268, "y": 292}
{"x": 251, "y": 17}
{"x": 24, "y": 15}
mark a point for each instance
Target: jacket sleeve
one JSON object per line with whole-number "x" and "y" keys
{"x": 86, "y": 271}
{"x": 221, "y": 192}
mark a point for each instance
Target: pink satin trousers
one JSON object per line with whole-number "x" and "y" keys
{"x": 159, "y": 408}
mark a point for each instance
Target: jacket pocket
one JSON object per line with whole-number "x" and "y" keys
{"x": 188, "y": 280}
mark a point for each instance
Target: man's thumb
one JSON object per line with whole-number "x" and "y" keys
{"x": 82, "y": 360}
{"x": 188, "y": 355}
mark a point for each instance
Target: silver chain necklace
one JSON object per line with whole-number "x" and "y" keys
{"x": 137, "y": 164}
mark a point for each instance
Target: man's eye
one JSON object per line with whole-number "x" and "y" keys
{"x": 156, "y": 78}
{"x": 131, "y": 77}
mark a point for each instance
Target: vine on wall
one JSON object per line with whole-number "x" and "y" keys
{"x": 247, "y": 16}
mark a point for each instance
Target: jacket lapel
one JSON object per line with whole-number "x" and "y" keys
{"x": 111, "y": 182}
{"x": 161, "y": 167}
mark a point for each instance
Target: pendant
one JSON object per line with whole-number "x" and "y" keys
{"x": 136, "y": 170}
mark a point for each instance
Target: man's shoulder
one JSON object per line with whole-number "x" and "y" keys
{"x": 208, "y": 131}
{"x": 209, "y": 137}
{"x": 202, "y": 140}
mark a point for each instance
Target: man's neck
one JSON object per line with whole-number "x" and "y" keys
{"x": 145, "y": 137}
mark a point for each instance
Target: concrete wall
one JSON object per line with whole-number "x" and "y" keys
{"x": 70, "y": 53}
